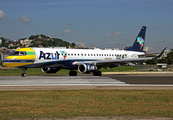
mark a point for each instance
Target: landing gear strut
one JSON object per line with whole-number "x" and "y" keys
{"x": 24, "y": 73}
{"x": 97, "y": 73}
{"x": 73, "y": 73}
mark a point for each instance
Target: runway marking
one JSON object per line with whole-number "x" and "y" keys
{"x": 59, "y": 81}
{"x": 13, "y": 81}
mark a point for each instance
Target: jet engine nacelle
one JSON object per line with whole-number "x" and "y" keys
{"x": 49, "y": 70}
{"x": 87, "y": 68}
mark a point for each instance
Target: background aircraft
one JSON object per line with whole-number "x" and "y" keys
{"x": 51, "y": 60}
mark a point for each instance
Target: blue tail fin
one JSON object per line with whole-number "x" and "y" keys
{"x": 138, "y": 45}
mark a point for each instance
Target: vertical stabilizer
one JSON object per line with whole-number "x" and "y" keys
{"x": 138, "y": 45}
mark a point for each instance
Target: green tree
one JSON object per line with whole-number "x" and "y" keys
{"x": 50, "y": 43}
{"x": 33, "y": 37}
{"x": 151, "y": 62}
{"x": 73, "y": 45}
{"x": 45, "y": 43}
{"x": 169, "y": 58}
{"x": 4, "y": 43}
{"x": 22, "y": 38}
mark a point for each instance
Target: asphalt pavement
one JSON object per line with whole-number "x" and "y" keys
{"x": 162, "y": 81}
{"x": 153, "y": 79}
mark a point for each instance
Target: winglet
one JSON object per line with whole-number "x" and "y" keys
{"x": 161, "y": 53}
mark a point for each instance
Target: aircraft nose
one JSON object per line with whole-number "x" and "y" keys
{"x": 11, "y": 57}
{"x": 9, "y": 61}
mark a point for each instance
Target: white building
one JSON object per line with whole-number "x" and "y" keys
{"x": 25, "y": 42}
{"x": 146, "y": 50}
{"x": 165, "y": 53}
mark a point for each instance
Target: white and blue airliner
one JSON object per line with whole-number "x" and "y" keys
{"x": 51, "y": 60}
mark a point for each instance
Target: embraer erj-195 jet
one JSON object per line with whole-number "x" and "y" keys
{"x": 51, "y": 60}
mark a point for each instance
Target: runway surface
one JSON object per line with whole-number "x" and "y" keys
{"x": 58, "y": 81}
{"x": 55, "y": 82}
{"x": 156, "y": 79}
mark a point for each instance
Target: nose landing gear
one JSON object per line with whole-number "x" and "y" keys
{"x": 24, "y": 73}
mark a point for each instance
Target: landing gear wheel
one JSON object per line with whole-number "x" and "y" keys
{"x": 23, "y": 75}
{"x": 24, "y": 72}
{"x": 73, "y": 73}
{"x": 97, "y": 73}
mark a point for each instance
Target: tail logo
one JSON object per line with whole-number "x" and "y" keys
{"x": 140, "y": 40}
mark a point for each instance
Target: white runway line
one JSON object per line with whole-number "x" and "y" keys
{"x": 59, "y": 81}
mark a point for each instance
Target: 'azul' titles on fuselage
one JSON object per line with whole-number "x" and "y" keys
{"x": 49, "y": 56}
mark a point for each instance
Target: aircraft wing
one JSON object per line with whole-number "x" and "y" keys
{"x": 104, "y": 62}
{"x": 122, "y": 60}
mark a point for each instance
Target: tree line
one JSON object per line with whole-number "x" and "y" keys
{"x": 37, "y": 40}
{"x": 47, "y": 41}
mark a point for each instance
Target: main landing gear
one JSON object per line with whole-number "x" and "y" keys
{"x": 73, "y": 73}
{"x": 97, "y": 73}
{"x": 24, "y": 73}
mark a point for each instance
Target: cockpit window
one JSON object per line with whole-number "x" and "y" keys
{"x": 18, "y": 53}
{"x": 22, "y": 53}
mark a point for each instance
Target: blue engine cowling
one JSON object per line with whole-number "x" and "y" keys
{"x": 87, "y": 68}
{"x": 49, "y": 70}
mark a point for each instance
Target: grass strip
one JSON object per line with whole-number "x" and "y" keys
{"x": 30, "y": 71}
{"x": 73, "y": 103}
{"x": 37, "y": 71}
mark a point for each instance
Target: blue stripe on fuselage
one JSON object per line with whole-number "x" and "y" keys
{"x": 57, "y": 63}
{"x": 18, "y": 61}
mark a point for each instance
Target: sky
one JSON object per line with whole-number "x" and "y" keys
{"x": 99, "y": 23}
